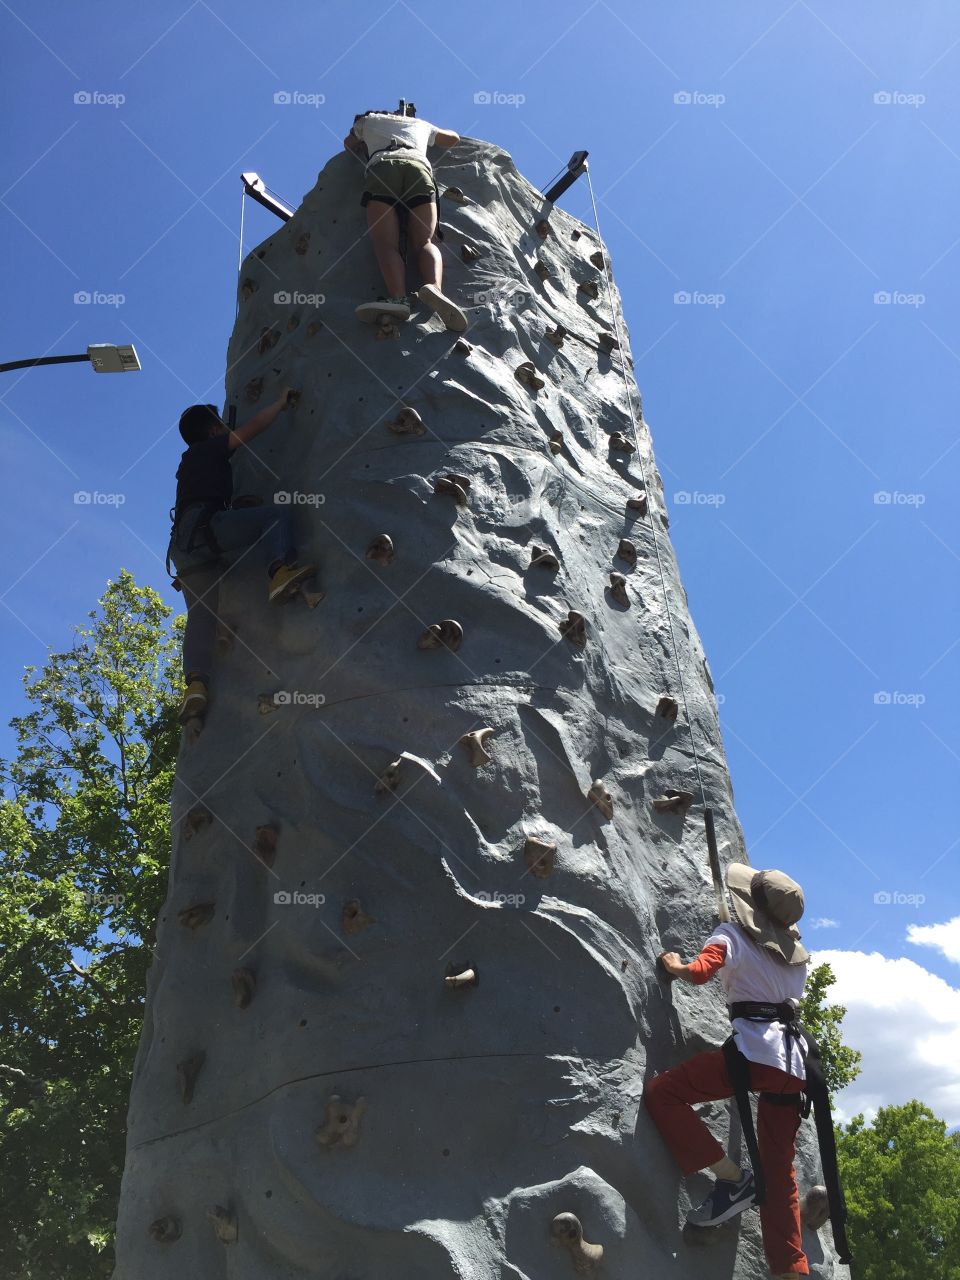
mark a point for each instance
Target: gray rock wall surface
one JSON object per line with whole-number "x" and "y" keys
{"x": 312, "y": 1097}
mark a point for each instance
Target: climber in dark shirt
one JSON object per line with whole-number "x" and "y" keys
{"x": 208, "y": 533}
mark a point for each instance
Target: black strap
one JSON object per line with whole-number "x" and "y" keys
{"x": 738, "y": 1069}
{"x": 201, "y": 532}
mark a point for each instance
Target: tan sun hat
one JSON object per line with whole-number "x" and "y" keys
{"x": 768, "y": 905}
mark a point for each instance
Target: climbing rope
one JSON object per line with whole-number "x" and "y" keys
{"x": 656, "y": 542}
{"x": 243, "y": 195}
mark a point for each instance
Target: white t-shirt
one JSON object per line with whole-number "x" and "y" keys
{"x": 750, "y": 973}
{"x": 378, "y": 131}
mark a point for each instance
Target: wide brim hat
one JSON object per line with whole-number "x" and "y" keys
{"x": 768, "y": 905}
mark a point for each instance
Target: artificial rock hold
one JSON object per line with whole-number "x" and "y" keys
{"x": 187, "y": 1072}
{"x": 568, "y": 1233}
{"x": 542, "y": 270}
{"x": 195, "y": 821}
{"x": 268, "y": 340}
{"x": 607, "y": 342}
{"x": 673, "y": 802}
{"x": 468, "y": 253}
{"x": 474, "y": 745}
{"x": 248, "y": 288}
{"x": 381, "y": 549}
{"x": 460, "y": 976}
{"x": 462, "y": 346}
{"x": 407, "y": 423}
{"x": 456, "y": 195}
{"x": 341, "y": 1127}
{"x": 390, "y": 778}
{"x": 599, "y": 796}
{"x": 618, "y": 588}
{"x": 353, "y": 918}
{"x": 253, "y": 390}
{"x": 526, "y": 374}
{"x": 543, "y": 229}
{"x": 556, "y": 336}
{"x": 668, "y": 708}
{"x": 597, "y": 260}
{"x": 266, "y": 703}
{"x": 543, "y": 558}
{"x": 590, "y": 288}
{"x": 638, "y": 504}
{"x": 627, "y": 552}
{"x": 815, "y": 1208}
{"x": 619, "y": 442}
{"x": 302, "y": 244}
{"x": 447, "y": 634}
{"x": 457, "y": 486}
{"x": 574, "y": 627}
{"x": 265, "y": 844}
{"x": 244, "y": 983}
{"x": 540, "y": 857}
{"x": 194, "y": 917}
{"x": 556, "y": 443}
{"x": 225, "y": 1226}
{"x": 165, "y": 1230}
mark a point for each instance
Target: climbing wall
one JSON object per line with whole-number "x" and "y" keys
{"x": 438, "y": 825}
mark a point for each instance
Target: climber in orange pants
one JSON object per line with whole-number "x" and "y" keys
{"x": 763, "y": 967}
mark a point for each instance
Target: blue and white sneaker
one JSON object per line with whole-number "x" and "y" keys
{"x": 725, "y": 1201}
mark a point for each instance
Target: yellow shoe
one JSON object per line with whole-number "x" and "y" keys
{"x": 194, "y": 701}
{"x": 286, "y": 580}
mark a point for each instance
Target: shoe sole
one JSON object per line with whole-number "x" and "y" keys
{"x": 292, "y": 584}
{"x": 448, "y": 311}
{"x": 370, "y": 312}
{"x": 740, "y": 1207}
{"x": 192, "y": 708}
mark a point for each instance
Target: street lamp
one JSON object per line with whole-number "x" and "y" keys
{"x": 104, "y": 356}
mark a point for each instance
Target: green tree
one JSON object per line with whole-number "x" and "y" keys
{"x": 901, "y": 1177}
{"x": 84, "y": 827}
{"x": 841, "y": 1064}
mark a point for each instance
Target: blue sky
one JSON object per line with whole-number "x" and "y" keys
{"x": 791, "y": 169}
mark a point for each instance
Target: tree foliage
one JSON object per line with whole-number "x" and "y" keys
{"x": 841, "y": 1064}
{"x": 84, "y": 826}
{"x": 901, "y": 1177}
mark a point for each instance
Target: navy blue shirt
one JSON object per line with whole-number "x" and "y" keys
{"x": 204, "y": 474}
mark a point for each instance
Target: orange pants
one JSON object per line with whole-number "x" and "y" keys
{"x": 670, "y": 1099}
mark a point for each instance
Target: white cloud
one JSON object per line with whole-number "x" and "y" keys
{"x": 906, "y": 1023}
{"x": 945, "y": 937}
{"x": 824, "y": 922}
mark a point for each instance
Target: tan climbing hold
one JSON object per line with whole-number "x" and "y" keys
{"x": 293, "y": 323}
{"x": 293, "y": 399}
{"x": 621, "y": 444}
{"x": 638, "y": 504}
{"x": 627, "y": 552}
{"x": 540, "y": 857}
{"x": 353, "y": 918}
{"x": 407, "y": 423}
{"x": 268, "y": 340}
{"x": 526, "y": 373}
{"x": 468, "y": 253}
{"x": 303, "y": 243}
{"x": 590, "y": 289}
{"x": 387, "y": 327}
{"x": 462, "y": 346}
{"x": 618, "y": 589}
{"x": 599, "y": 796}
{"x": 187, "y": 1072}
{"x": 165, "y": 1230}
{"x": 266, "y": 703}
{"x": 265, "y": 844}
{"x": 226, "y": 634}
{"x": 542, "y": 270}
{"x": 381, "y": 549}
{"x": 543, "y": 558}
{"x": 248, "y": 288}
{"x": 244, "y": 983}
{"x": 556, "y": 336}
{"x": 341, "y": 1127}
{"x": 196, "y": 916}
{"x": 568, "y": 1233}
{"x": 195, "y": 821}
{"x": 815, "y": 1208}
{"x": 543, "y": 229}
{"x": 597, "y": 260}
{"x": 314, "y": 327}
{"x": 447, "y": 634}
{"x": 456, "y": 195}
{"x": 556, "y": 443}
{"x": 668, "y": 708}
{"x": 225, "y": 1226}
{"x": 473, "y": 743}
{"x": 253, "y": 390}
{"x": 457, "y": 486}
{"x": 460, "y": 976}
{"x": 390, "y": 778}
{"x": 574, "y": 627}
{"x": 607, "y": 342}
{"x": 673, "y": 802}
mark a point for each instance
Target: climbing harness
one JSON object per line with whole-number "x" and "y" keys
{"x": 814, "y": 1095}
{"x": 200, "y": 535}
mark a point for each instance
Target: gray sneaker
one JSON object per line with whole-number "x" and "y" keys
{"x": 725, "y": 1201}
